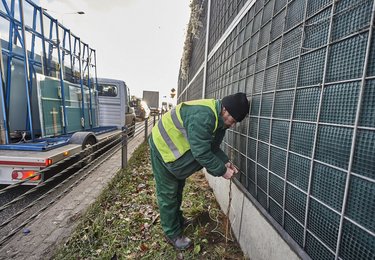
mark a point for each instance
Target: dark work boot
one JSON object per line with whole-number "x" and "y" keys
{"x": 180, "y": 242}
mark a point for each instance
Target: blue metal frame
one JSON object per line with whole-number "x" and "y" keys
{"x": 78, "y": 52}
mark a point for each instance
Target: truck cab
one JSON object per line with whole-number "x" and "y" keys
{"x": 114, "y": 104}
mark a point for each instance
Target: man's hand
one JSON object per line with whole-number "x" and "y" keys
{"x": 228, "y": 174}
{"x": 231, "y": 166}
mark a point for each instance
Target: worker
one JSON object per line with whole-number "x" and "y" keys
{"x": 186, "y": 139}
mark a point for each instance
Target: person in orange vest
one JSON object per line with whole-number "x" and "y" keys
{"x": 185, "y": 140}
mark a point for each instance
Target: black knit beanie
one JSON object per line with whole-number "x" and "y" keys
{"x": 237, "y": 105}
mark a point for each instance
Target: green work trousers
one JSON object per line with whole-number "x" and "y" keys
{"x": 169, "y": 191}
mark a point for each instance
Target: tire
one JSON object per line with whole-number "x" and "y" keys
{"x": 86, "y": 140}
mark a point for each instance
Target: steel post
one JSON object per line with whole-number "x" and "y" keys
{"x": 124, "y": 147}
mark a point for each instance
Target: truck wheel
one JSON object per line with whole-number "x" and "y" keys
{"x": 86, "y": 140}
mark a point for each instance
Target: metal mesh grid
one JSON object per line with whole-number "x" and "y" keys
{"x": 346, "y": 58}
{"x": 295, "y": 203}
{"x": 277, "y": 161}
{"x": 267, "y": 101}
{"x": 364, "y": 246}
{"x": 308, "y": 125}
{"x": 302, "y": 138}
{"x": 295, "y": 15}
{"x": 367, "y": 116}
{"x": 276, "y": 211}
{"x": 339, "y": 103}
{"x": 350, "y": 16}
{"x": 294, "y": 229}
{"x": 283, "y": 104}
{"x": 287, "y": 74}
{"x": 264, "y": 129}
{"x": 361, "y": 203}
{"x": 364, "y": 154}
{"x": 314, "y": 6}
{"x": 280, "y": 131}
{"x": 333, "y": 145}
{"x": 316, "y": 31}
{"x": 291, "y": 44}
{"x": 324, "y": 223}
{"x": 311, "y": 68}
{"x": 307, "y": 104}
{"x": 270, "y": 79}
{"x": 316, "y": 250}
{"x": 298, "y": 171}
{"x": 328, "y": 185}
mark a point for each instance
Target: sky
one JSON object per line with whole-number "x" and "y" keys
{"x": 138, "y": 41}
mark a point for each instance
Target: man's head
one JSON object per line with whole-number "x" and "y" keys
{"x": 235, "y": 108}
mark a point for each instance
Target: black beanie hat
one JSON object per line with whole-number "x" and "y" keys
{"x": 237, "y": 105}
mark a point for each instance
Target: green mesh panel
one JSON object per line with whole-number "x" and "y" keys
{"x": 251, "y": 148}
{"x": 270, "y": 79}
{"x": 294, "y": 229}
{"x": 264, "y": 130}
{"x": 263, "y": 154}
{"x": 296, "y": 11}
{"x": 311, "y": 68}
{"x": 279, "y": 5}
{"x": 283, "y": 104}
{"x": 258, "y": 82}
{"x": 316, "y": 250}
{"x": 371, "y": 62}
{"x": 346, "y": 58}
{"x": 367, "y": 116}
{"x": 328, "y": 185}
{"x": 291, "y": 44}
{"x": 298, "y": 171}
{"x": 267, "y": 102}
{"x": 313, "y": 6}
{"x": 251, "y": 170}
{"x": 279, "y": 136}
{"x": 254, "y": 41}
{"x": 262, "y": 177}
{"x": 324, "y": 223}
{"x": 356, "y": 243}
{"x": 264, "y": 35}
{"x": 361, "y": 204}
{"x": 307, "y": 104}
{"x": 333, "y": 145}
{"x": 364, "y": 153}
{"x": 278, "y": 24}
{"x": 277, "y": 161}
{"x": 276, "y": 188}
{"x": 287, "y": 74}
{"x": 274, "y": 53}
{"x": 350, "y": 16}
{"x": 316, "y": 31}
{"x": 275, "y": 211}
{"x": 302, "y": 138}
{"x": 253, "y": 127}
{"x": 262, "y": 198}
{"x": 261, "y": 59}
{"x": 295, "y": 203}
{"x": 252, "y": 188}
{"x": 255, "y": 103}
{"x": 340, "y": 103}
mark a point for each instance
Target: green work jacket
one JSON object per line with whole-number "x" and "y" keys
{"x": 205, "y": 135}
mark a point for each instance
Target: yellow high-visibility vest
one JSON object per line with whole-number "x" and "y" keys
{"x": 170, "y": 136}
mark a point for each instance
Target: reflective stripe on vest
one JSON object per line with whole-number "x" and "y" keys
{"x": 170, "y": 137}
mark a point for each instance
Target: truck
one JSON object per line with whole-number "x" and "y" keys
{"x": 52, "y": 105}
{"x": 152, "y": 100}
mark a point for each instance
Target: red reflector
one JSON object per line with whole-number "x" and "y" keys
{"x": 48, "y": 162}
{"x": 22, "y": 174}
